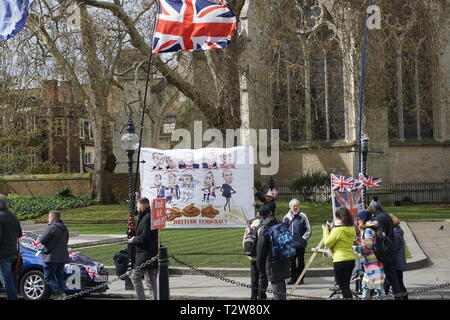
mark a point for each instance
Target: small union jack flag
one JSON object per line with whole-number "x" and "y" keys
{"x": 193, "y": 25}
{"x": 92, "y": 271}
{"x": 73, "y": 255}
{"x": 369, "y": 181}
{"x": 36, "y": 244}
{"x": 341, "y": 183}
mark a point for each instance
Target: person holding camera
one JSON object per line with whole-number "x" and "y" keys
{"x": 340, "y": 240}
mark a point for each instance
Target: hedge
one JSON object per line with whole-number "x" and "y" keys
{"x": 33, "y": 207}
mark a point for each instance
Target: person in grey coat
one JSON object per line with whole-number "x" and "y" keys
{"x": 56, "y": 255}
{"x": 270, "y": 269}
{"x": 10, "y": 232}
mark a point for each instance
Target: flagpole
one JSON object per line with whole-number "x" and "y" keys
{"x": 145, "y": 104}
{"x": 142, "y": 120}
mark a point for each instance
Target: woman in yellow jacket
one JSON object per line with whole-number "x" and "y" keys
{"x": 340, "y": 241}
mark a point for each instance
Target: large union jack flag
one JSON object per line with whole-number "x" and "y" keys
{"x": 353, "y": 201}
{"x": 341, "y": 183}
{"x": 369, "y": 181}
{"x": 193, "y": 25}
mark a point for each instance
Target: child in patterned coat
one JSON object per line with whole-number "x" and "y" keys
{"x": 373, "y": 279}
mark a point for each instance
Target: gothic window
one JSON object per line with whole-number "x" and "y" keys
{"x": 308, "y": 86}
{"x": 410, "y": 67}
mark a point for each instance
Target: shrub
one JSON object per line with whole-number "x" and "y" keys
{"x": 42, "y": 167}
{"x": 33, "y": 207}
{"x": 310, "y": 183}
{"x": 65, "y": 192}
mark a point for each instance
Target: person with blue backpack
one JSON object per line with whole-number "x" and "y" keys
{"x": 298, "y": 224}
{"x": 273, "y": 248}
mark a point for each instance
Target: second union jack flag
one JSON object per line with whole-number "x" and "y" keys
{"x": 193, "y": 25}
{"x": 369, "y": 181}
{"x": 341, "y": 183}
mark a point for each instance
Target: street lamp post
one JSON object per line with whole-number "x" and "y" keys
{"x": 364, "y": 152}
{"x": 130, "y": 143}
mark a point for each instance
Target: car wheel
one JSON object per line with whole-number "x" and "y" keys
{"x": 33, "y": 286}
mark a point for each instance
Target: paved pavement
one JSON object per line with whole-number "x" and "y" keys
{"x": 436, "y": 255}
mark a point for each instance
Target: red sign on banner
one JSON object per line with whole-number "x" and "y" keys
{"x": 158, "y": 214}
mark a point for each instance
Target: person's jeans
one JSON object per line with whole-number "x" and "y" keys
{"x": 297, "y": 263}
{"x": 280, "y": 290}
{"x": 343, "y": 274}
{"x": 7, "y": 277}
{"x": 387, "y": 285}
{"x": 54, "y": 276}
{"x": 150, "y": 276}
{"x": 391, "y": 276}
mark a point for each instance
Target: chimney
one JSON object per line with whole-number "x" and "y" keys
{"x": 65, "y": 92}
{"x": 50, "y": 92}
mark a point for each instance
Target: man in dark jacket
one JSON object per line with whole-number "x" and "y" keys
{"x": 146, "y": 244}
{"x": 56, "y": 255}
{"x": 276, "y": 271}
{"x": 268, "y": 200}
{"x": 10, "y": 232}
{"x": 387, "y": 225}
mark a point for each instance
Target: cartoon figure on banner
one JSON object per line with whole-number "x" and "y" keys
{"x": 172, "y": 163}
{"x": 209, "y": 190}
{"x": 209, "y": 161}
{"x": 187, "y": 187}
{"x": 160, "y": 189}
{"x": 226, "y": 189}
{"x": 173, "y": 189}
{"x": 158, "y": 159}
{"x": 227, "y": 161}
{"x": 188, "y": 162}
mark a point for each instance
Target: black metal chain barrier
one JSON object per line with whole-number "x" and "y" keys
{"x": 302, "y": 297}
{"x": 240, "y": 284}
{"x": 121, "y": 277}
{"x": 245, "y": 285}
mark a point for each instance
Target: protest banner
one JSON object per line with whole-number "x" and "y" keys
{"x": 203, "y": 188}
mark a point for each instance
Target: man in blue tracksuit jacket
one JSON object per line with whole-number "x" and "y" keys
{"x": 298, "y": 224}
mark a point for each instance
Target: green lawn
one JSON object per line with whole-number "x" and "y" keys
{"x": 212, "y": 247}
{"x": 205, "y": 247}
{"x": 110, "y": 214}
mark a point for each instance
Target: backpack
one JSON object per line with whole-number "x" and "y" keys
{"x": 283, "y": 245}
{"x": 384, "y": 248}
{"x": 250, "y": 242}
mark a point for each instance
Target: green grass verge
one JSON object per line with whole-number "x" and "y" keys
{"x": 316, "y": 213}
{"x": 204, "y": 247}
{"x": 213, "y": 248}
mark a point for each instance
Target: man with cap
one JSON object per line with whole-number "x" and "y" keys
{"x": 268, "y": 199}
{"x": 270, "y": 269}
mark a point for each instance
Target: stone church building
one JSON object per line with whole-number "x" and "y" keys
{"x": 303, "y": 78}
